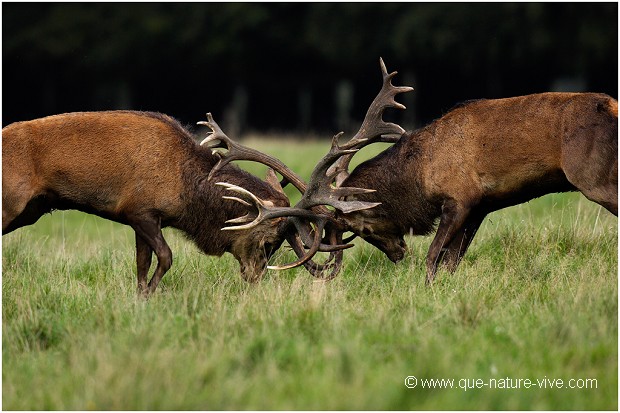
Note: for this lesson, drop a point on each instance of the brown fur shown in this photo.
(483, 156)
(137, 168)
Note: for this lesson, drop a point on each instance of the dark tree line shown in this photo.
(296, 66)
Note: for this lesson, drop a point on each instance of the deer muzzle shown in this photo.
(253, 270)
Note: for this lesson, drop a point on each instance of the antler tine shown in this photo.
(304, 258)
(265, 210)
(216, 134)
(238, 152)
(218, 139)
(340, 169)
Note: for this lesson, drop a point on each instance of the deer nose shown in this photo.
(395, 251)
(253, 271)
(396, 255)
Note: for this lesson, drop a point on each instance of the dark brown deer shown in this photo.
(480, 157)
(146, 171)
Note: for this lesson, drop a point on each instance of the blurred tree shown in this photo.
(266, 66)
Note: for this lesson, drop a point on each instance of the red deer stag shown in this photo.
(479, 157)
(145, 170)
(140, 169)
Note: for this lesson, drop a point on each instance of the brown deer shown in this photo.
(479, 157)
(145, 170)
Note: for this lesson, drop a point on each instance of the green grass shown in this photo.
(536, 297)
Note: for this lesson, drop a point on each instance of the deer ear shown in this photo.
(273, 181)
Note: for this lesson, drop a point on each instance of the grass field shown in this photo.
(536, 298)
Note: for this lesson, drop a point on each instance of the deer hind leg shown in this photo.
(590, 163)
(596, 181)
(606, 196)
(150, 238)
(462, 240)
(453, 217)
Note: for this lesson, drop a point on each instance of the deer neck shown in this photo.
(204, 212)
(396, 176)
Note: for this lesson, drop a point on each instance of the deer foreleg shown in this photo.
(150, 233)
(462, 240)
(144, 256)
(453, 217)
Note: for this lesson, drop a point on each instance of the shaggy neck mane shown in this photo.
(206, 211)
(397, 191)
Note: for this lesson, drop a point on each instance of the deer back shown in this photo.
(506, 150)
(119, 163)
(107, 161)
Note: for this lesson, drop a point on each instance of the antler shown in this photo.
(373, 126)
(336, 162)
(266, 210)
(333, 263)
(217, 139)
